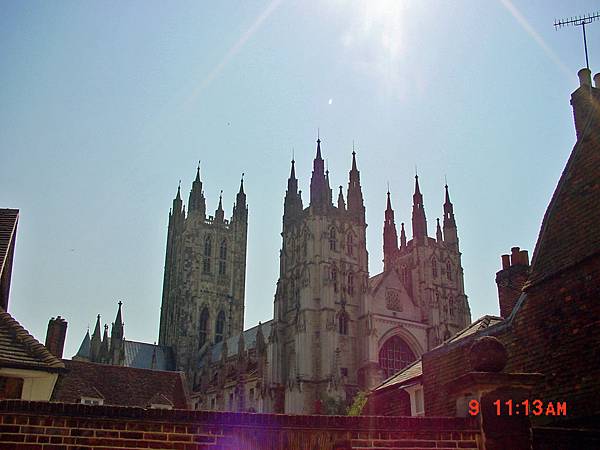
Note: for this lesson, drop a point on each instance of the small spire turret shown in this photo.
(197, 202)
(402, 236)
(356, 205)
(240, 210)
(419, 222)
(219, 213)
(318, 182)
(340, 203)
(438, 231)
(450, 232)
(390, 235)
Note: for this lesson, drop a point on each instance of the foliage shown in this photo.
(360, 399)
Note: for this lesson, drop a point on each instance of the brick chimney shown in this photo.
(55, 336)
(586, 103)
(510, 280)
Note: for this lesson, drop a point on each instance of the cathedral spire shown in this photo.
(240, 210)
(341, 204)
(117, 328)
(402, 236)
(197, 202)
(450, 233)
(356, 205)
(103, 356)
(419, 222)
(177, 203)
(438, 231)
(96, 341)
(219, 213)
(318, 185)
(390, 235)
(292, 205)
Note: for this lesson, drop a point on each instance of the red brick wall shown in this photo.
(556, 332)
(59, 426)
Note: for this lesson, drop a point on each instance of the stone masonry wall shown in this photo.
(58, 426)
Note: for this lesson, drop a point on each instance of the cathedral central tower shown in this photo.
(205, 276)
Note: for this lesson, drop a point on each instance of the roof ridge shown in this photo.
(22, 336)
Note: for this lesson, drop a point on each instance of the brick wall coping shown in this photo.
(239, 419)
(472, 380)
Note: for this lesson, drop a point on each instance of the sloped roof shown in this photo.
(405, 376)
(137, 354)
(413, 371)
(8, 226)
(570, 232)
(19, 349)
(118, 385)
(140, 354)
(8, 230)
(232, 342)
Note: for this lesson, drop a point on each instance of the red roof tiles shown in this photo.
(120, 386)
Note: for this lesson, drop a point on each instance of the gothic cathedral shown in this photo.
(335, 329)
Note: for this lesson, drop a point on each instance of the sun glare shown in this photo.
(373, 37)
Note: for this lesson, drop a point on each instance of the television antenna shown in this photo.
(582, 22)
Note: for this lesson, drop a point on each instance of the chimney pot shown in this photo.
(514, 256)
(585, 77)
(55, 336)
(505, 262)
(597, 80)
(524, 257)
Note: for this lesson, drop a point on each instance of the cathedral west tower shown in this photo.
(319, 294)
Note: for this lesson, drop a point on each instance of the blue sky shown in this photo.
(107, 105)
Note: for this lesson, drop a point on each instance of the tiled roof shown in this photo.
(480, 324)
(415, 370)
(120, 386)
(8, 230)
(232, 342)
(403, 377)
(8, 225)
(19, 349)
(570, 232)
(137, 354)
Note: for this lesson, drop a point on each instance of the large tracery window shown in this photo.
(203, 327)
(207, 254)
(222, 257)
(332, 240)
(220, 327)
(395, 355)
(349, 244)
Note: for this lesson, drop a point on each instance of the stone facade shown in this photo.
(335, 329)
(205, 276)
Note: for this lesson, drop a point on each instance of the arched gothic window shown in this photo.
(395, 355)
(349, 244)
(448, 270)
(220, 327)
(208, 246)
(203, 327)
(332, 239)
(404, 275)
(343, 323)
(334, 279)
(222, 257)
(350, 283)
(434, 268)
(207, 254)
(452, 306)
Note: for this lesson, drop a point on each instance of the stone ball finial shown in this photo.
(488, 354)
